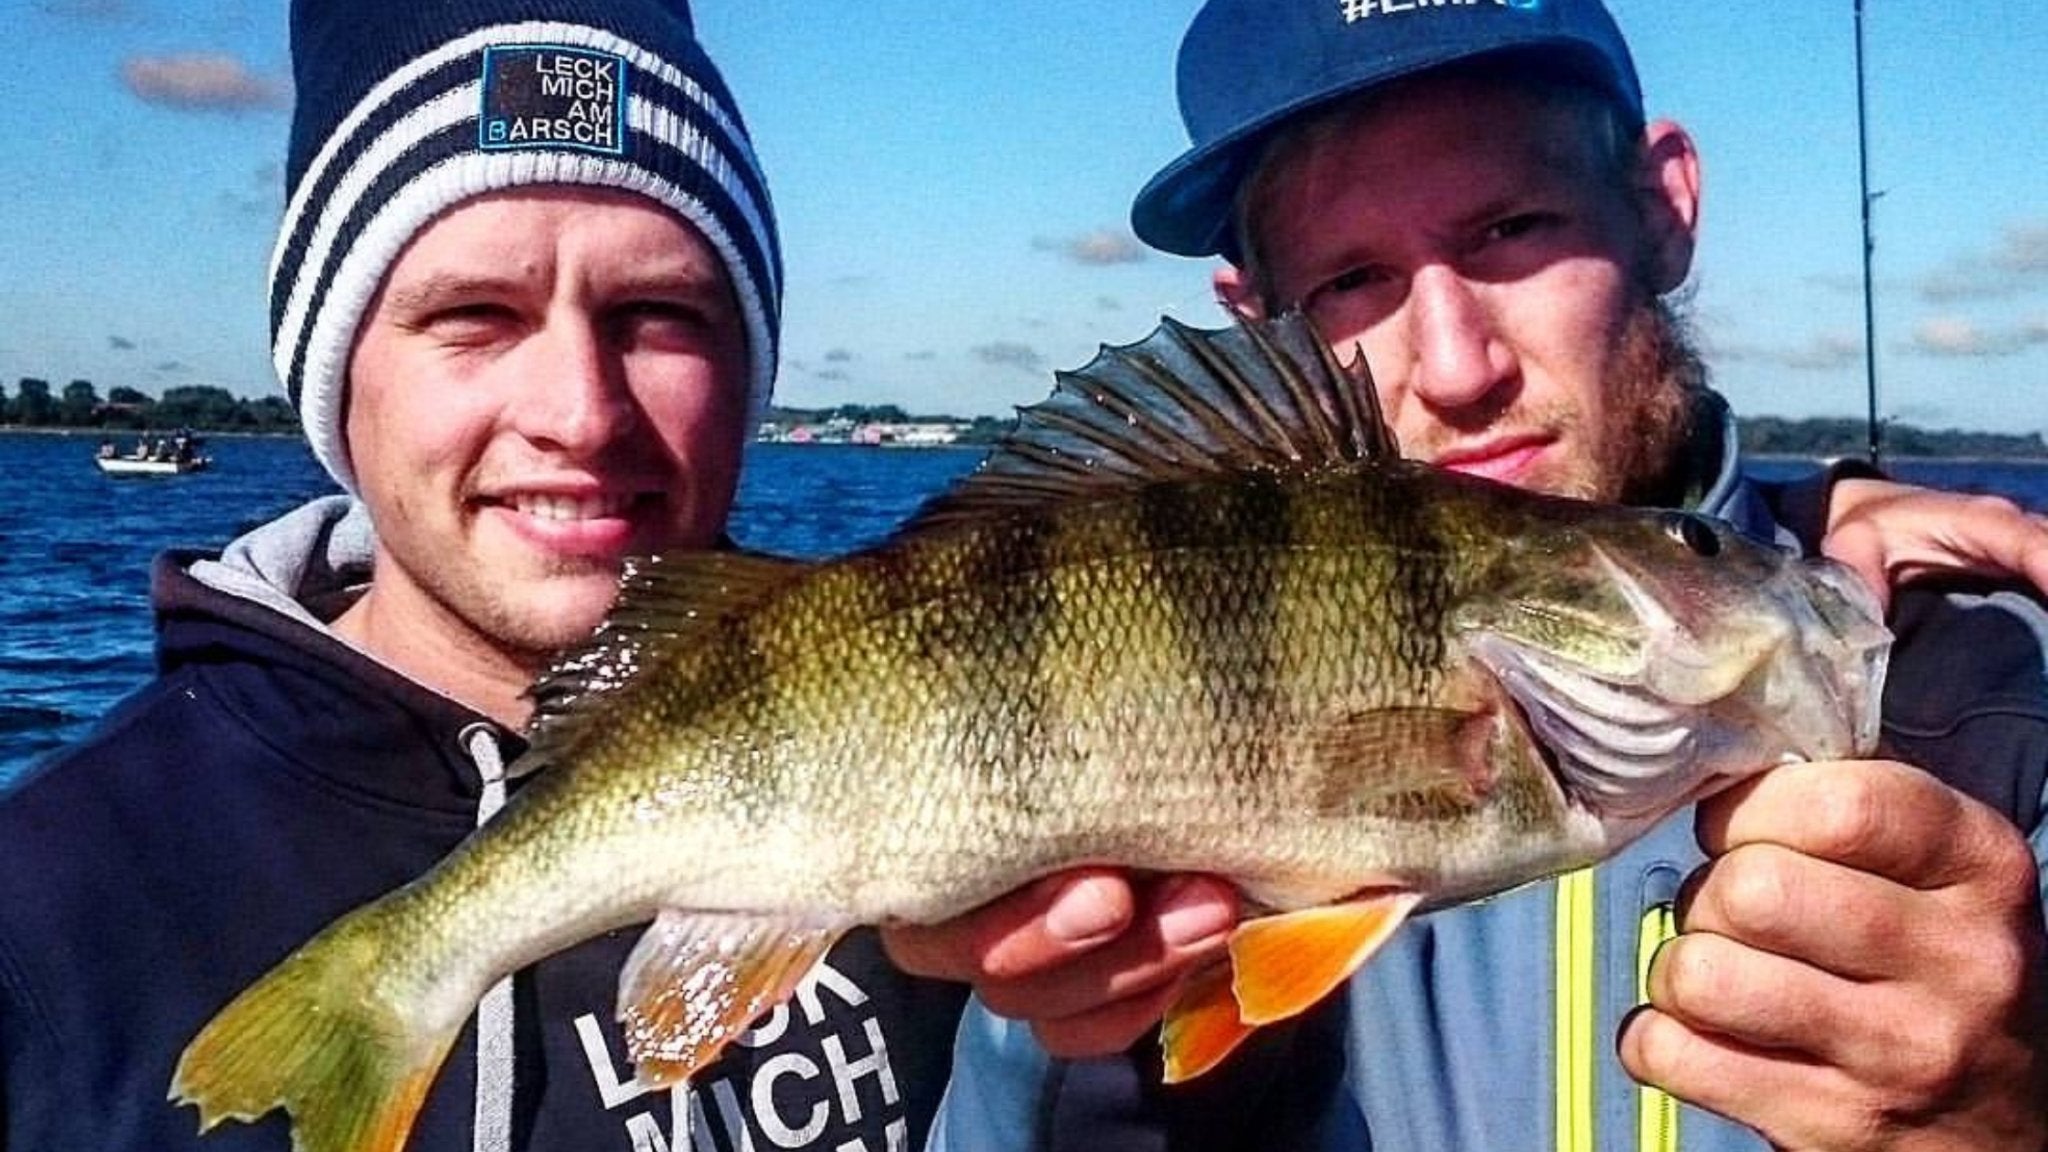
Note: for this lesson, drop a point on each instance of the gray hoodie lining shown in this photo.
(311, 554)
(494, 1057)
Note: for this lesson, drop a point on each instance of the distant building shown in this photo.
(841, 430)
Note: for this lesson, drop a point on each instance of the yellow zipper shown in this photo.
(1656, 1111)
(1575, 1012)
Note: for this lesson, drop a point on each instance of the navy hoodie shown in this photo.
(272, 778)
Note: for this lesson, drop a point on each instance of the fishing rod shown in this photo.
(1871, 421)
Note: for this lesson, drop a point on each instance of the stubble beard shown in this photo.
(515, 616)
(1655, 396)
(1659, 389)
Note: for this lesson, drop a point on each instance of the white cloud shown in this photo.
(200, 83)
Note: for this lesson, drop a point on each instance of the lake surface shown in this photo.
(75, 546)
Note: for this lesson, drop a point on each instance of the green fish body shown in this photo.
(1194, 615)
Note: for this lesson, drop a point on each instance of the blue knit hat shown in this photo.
(1249, 67)
(405, 108)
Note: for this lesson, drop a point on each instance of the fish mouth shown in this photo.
(1856, 619)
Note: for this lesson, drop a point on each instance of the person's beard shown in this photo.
(1652, 440)
(1648, 454)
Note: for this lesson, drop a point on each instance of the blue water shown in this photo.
(75, 546)
(75, 549)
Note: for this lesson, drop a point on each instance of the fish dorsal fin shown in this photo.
(662, 599)
(1182, 403)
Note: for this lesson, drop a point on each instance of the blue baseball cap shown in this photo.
(1248, 67)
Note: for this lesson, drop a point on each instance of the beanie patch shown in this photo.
(551, 95)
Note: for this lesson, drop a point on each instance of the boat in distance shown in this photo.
(163, 456)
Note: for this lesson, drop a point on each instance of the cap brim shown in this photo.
(1186, 207)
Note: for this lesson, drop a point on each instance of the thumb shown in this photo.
(1860, 545)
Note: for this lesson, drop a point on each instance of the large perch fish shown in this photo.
(1193, 615)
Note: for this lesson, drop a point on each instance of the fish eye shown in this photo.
(1693, 532)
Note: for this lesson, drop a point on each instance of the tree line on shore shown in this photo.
(1828, 436)
(34, 403)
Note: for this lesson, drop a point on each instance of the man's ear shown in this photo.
(1668, 199)
(1235, 292)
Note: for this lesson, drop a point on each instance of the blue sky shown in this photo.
(954, 181)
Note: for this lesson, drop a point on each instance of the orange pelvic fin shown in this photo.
(1283, 964)
(1202, 1026)
(696, 980)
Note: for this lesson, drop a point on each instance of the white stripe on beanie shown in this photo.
(538, 31)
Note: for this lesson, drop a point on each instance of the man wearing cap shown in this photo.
(525, 297)
(1835, 956)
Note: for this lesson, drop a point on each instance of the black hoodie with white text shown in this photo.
(270, 779)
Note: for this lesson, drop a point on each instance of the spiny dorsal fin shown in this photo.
(662, 599)
(1181, 403)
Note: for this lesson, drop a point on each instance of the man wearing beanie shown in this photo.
(525, 297)
(1841, 956)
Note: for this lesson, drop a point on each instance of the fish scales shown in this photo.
(1191, 616)
(905, 663)
(1092, 678)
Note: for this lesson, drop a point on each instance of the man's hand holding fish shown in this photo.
(1864, 936)
(1091, 957)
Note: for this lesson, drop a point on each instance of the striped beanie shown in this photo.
(407, 107)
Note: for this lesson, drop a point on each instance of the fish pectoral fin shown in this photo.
(1283, 964)
(1203, 1025)
(698, 979)
(1380, 757)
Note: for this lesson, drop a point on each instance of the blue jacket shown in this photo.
(1491, 1026)
(272, 778)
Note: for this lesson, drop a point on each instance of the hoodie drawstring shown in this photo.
(494, 1056)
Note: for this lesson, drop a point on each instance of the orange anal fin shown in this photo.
(1283, 964)
(1202, 1026)
(696, 981)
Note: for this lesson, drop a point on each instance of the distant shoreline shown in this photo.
(1795, 458)
(1766, 457)
(127, 433)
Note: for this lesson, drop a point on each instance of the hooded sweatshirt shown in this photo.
(270, 779)
(1491, 1026)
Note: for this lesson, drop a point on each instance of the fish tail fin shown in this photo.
(312, 1038)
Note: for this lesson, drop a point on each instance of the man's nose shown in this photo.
(1458, 355)
(574, 396)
